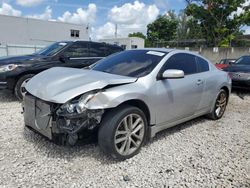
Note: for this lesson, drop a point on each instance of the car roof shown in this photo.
(159, 49)
(168, 50)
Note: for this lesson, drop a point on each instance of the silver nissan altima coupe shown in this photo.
(125, 98)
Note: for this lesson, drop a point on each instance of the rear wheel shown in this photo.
(20, 90)
(123, 132)
(220, 105)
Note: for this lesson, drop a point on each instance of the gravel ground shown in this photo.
(199, 153)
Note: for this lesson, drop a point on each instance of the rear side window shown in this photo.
(202, 64)
(182, 61)
(96, 49)
(77, 50)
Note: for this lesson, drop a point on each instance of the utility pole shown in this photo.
(87, 30)
(115, 31)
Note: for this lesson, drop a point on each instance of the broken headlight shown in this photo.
(76, 106)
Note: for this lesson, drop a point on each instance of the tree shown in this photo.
(137, 34)
(220, 20)
(163, 28)
(188, 27)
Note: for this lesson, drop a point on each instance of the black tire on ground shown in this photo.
(108, 128)
(17, 91)
(213, 115)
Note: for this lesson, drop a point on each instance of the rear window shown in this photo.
(110, 49)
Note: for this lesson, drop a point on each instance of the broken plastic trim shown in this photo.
(89, 120)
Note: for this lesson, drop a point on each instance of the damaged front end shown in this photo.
(63, 124)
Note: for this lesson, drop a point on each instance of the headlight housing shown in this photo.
(77, 106)
(7, 68)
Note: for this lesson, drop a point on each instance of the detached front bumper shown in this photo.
(41, 117)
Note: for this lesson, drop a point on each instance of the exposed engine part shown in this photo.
(89, 121)
(72, 139)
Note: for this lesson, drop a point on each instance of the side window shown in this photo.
(77, 50)
(182, 61)
(96, 49)
(202, 64)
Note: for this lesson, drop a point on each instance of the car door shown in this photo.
(77, 55)
(208, 84)
(178, 98)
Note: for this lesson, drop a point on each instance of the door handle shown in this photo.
(199, 82)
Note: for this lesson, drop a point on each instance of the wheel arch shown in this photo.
(14, 79)
(139, 104)
(227, 91)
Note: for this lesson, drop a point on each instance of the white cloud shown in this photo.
(29, 3)
(7, 9)
(105, 31)
(136, 13)
(47, 15)
(129, 18)
(81, 16)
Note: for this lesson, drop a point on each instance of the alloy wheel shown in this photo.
(129, 134)
(221, 104)
(22, 88)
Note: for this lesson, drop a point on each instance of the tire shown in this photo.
(113, 122)
(219, 106)
(19, 93)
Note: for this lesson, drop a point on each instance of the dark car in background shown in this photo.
(16, 71)
(225, 63)
(240, 72)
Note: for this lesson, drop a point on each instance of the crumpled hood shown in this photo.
(59, 85)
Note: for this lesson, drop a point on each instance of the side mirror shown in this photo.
(172, 74)
(63, 58)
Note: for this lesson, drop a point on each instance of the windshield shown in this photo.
(52, 49)
(133, 63)
(243, 61)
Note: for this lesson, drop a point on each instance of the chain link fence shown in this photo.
(12, 50)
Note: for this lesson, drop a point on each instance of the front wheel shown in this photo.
(20, 90)
(123, 132)
(220, 105)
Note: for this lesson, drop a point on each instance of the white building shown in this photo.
(29, 31)
(127, 43)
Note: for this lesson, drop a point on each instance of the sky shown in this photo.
(100, 15)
